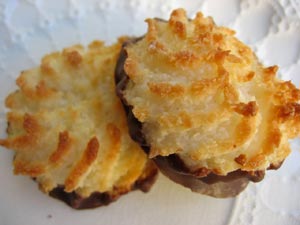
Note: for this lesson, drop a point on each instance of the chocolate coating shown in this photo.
(213, 185)
(97, 199)
(121, 80)
(172, 166)
(77, 202)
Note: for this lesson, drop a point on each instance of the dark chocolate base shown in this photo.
(121, 80)
(77, 202)
(172, 166)
(97, 199)
(213, 185)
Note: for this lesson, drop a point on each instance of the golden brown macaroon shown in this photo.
(203, 106)
(69, 131)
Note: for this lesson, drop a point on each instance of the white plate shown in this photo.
(29, 29)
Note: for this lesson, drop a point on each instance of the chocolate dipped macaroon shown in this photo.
(69, 132)
(203, 107)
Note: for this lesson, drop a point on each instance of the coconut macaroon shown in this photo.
(203, 106)
(69, 131)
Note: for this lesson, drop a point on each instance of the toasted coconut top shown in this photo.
(202, 94)
(68, 128)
